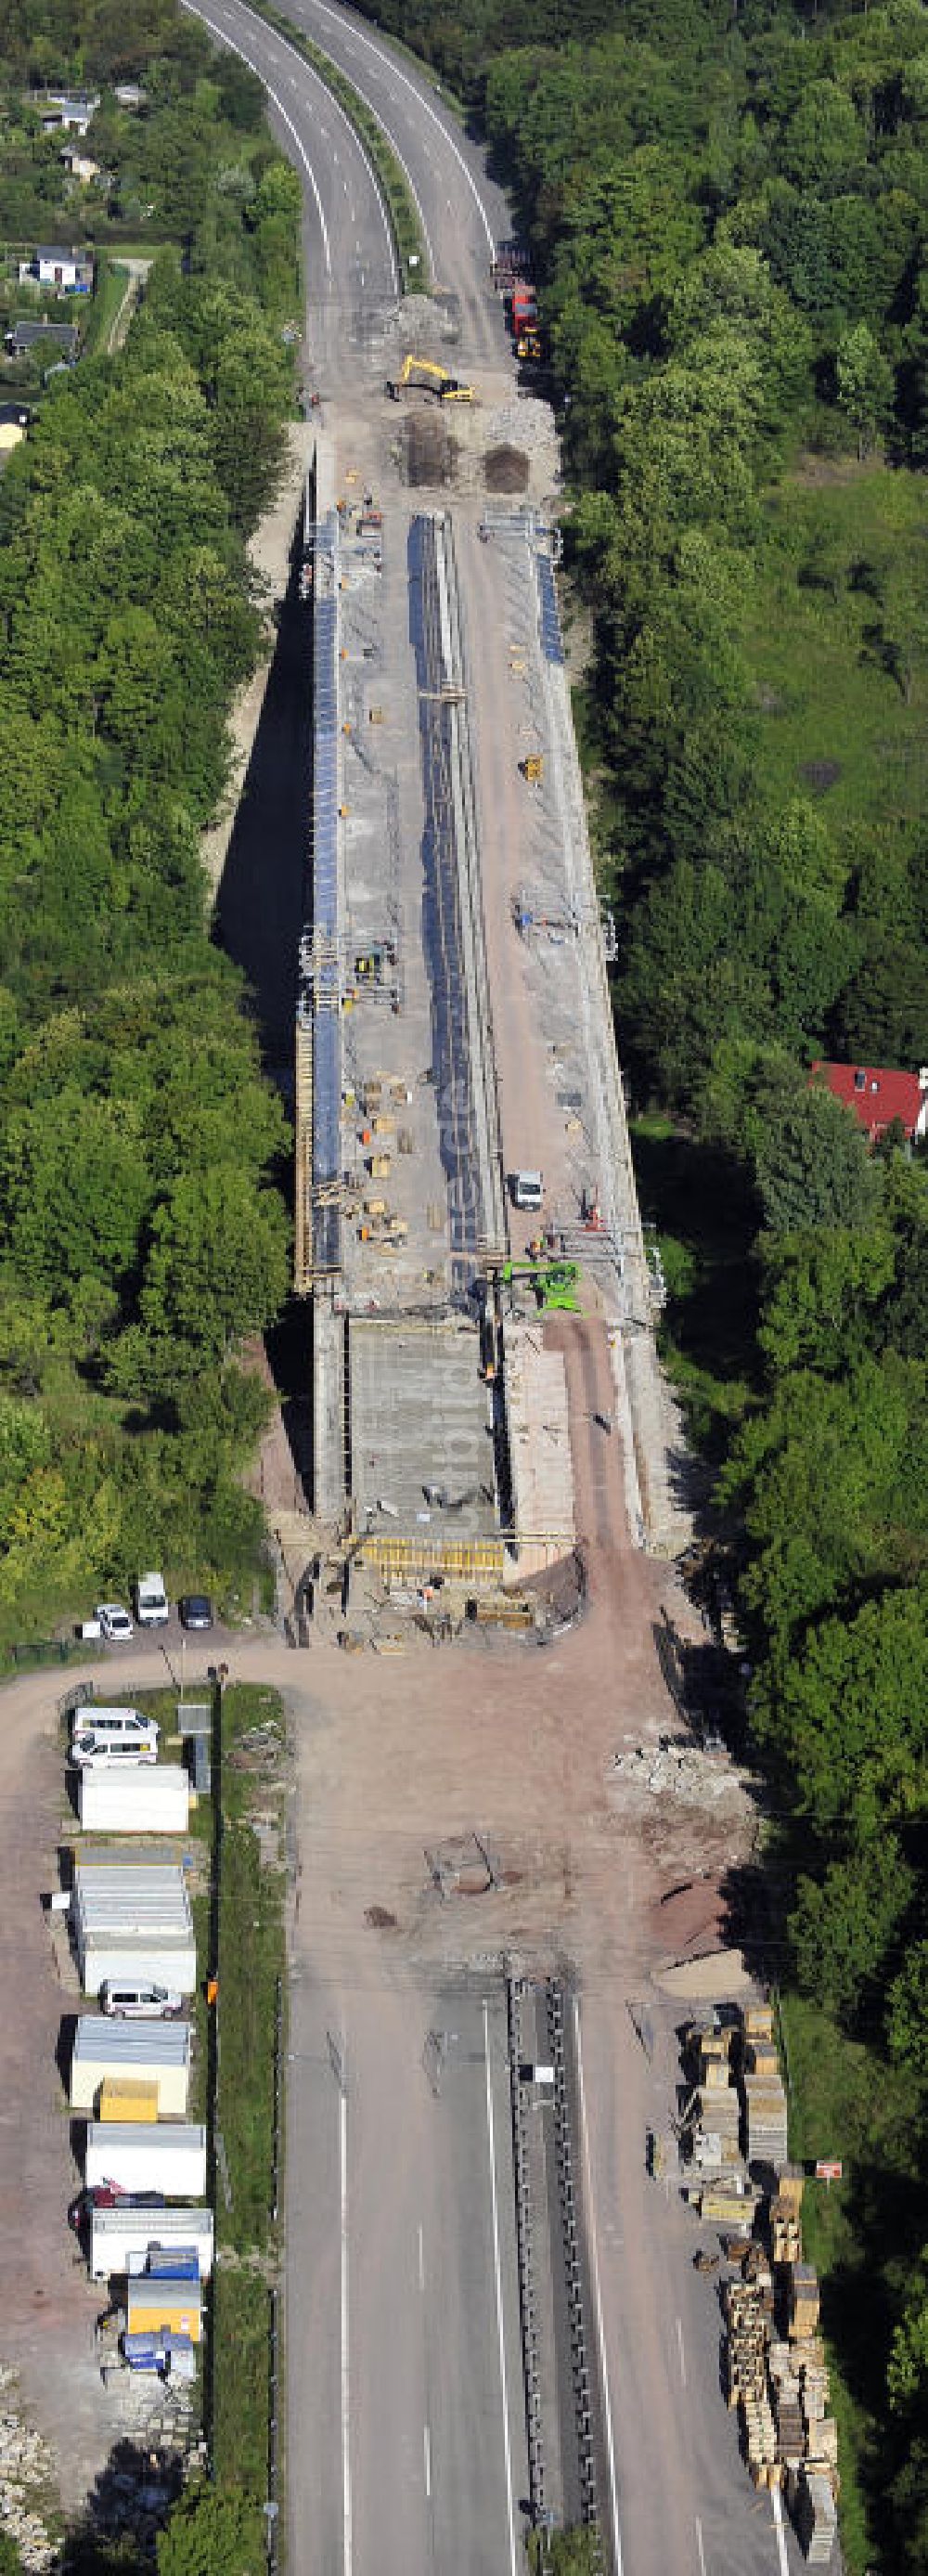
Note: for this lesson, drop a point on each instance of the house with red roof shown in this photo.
(878, 1097)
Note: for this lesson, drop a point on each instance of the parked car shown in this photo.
(107, 2195)
(151, 1601)
(143, 2002)
(196, 1610)
(115, 1623)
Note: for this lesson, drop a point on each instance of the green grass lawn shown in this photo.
(112, 281)
(846, 2102)
(241, 2303)
(836, 610)
(251, 1959)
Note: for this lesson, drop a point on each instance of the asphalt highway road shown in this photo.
(407, 2451)
(462, 210)
(350, 262)
(349, 257)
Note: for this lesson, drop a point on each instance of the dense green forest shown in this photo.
(142, 1232)
(728, 210)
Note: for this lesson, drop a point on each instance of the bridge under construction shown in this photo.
(440, 1440)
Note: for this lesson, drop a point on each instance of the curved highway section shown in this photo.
(462, 210)
(350, 260)
(349, 257)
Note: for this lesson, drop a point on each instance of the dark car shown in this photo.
(107, 2195)
(196, 1610)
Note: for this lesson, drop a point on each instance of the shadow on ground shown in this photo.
(259, 906)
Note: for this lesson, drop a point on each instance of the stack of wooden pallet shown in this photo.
(787, 2406)
(757, 2022)
(786, 2216)
(803, 2301)
(717, 2118)
(812, 2505)
(764, 2119)
(785, 2233)
(748, 2324)
(721, 2205)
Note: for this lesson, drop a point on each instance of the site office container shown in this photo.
(153, 2304)
(126, 2241)
(135, 1960)
(169, 2158)
(143, 2052)
(133, 1921)
(135, 1799)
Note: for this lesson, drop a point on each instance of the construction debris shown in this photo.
(25, 2471)
(676, 1770)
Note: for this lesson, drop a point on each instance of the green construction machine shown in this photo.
(554, 1282)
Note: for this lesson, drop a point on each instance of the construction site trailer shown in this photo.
(136, 1798)
(133, 1923)
(123, 2240)
(150, 2052)
(155, 2304)
(137, 2158)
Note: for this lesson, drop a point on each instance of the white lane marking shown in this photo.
(427, 2455)
(394, 147)
(600, 2329)
(422, 107)
(680, 2351)
(421, 2260)
(514, 2564)
(353, 135)
(225, 39)
(781, 2536)
(702, 2554)
(346, 2386)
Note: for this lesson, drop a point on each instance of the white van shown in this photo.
(151, 1601)
(141, 2002)
(113, 1734)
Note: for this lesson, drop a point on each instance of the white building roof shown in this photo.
(130, 1901)
(100, 2040)
(188, 2226)
(166, 2138)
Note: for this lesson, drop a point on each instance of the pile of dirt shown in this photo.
(430, 453)
(506, 469)
(692, 1917)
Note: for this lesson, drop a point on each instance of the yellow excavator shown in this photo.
(430, 379)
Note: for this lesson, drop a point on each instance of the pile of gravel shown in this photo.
(25, 2464)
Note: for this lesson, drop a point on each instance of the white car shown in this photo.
(115, 1623)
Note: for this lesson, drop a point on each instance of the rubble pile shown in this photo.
(25, 2464)
(679, 1770)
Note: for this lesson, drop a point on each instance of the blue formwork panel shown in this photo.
(326, 924)
(551, 640)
